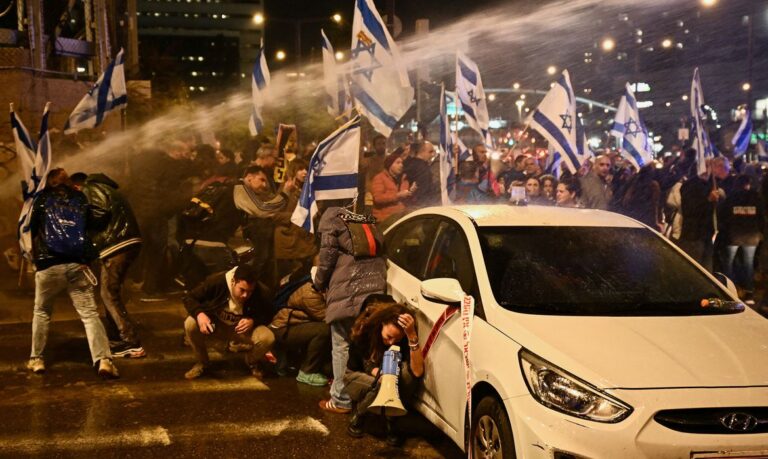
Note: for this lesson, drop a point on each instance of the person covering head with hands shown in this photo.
(383, 323)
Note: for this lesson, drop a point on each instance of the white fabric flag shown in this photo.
(108, 94)
(259, 85)
(471, 96)
(337, 94)
(380, 84)
(555, 118)
(701, 142)
(35, 161)
(629, 127)
(333, 173)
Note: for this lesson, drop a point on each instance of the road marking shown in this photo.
(260, 429)
(142, 437)
(158, 436)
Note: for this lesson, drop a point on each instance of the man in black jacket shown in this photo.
(225, 307)
(115, 234)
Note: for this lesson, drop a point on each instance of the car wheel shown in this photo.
(491, 435)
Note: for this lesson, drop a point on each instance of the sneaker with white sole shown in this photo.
(128, 350)
(36, 365)
(107, 369)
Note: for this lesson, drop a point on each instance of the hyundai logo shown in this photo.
(739, 422)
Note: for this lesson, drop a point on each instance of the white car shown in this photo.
(593, 337)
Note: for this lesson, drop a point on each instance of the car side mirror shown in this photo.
(729, 285)
(443, 290)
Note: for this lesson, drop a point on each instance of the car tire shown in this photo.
(491, 433)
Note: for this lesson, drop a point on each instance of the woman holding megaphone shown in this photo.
(385, 364)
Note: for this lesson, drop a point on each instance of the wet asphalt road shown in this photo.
(152, 411)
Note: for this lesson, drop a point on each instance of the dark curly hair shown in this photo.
(379, 310)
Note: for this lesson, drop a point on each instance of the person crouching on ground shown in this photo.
(225, 307)
(382, 324)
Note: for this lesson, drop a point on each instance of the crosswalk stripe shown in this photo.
(142, 437)
(159, 436)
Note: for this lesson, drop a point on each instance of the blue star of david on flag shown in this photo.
(567, 122)
(632, 128)
(367, 72)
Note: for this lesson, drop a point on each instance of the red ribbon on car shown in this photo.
(447, 314)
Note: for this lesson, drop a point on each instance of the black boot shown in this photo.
(355, 429)
(394, 438)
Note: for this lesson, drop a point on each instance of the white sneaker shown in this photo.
(107, 369)
(36, 365)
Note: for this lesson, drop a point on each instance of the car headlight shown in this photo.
(555, 388)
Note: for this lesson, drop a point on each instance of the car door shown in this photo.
(444, 372)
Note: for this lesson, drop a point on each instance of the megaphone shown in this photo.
(387, 402)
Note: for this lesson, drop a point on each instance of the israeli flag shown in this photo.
(555, 119)
(333, 171)
(447, 171)
(465, 154)
(701, 142)
(337, 95)
(259, 83)
(743, 135)
(109, 93)
(629, 127)
(35, 161)
(380, 84)
(554, 160)
(471, 96)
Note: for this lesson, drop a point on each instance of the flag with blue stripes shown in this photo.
(629, 127)
(554, 160)
(259, 84)
(108, 94)
(471, 97)
(701, 142)
(555, 118)
(336, 92)
(743, 135)
(447, 171)
(333, 171)
(379, 79)
(35, 161)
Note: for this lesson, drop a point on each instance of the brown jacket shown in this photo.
(304, 305)
(293, 242)
(384, 190)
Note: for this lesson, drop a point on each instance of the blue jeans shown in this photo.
(340, 330)
(48, 284)
(747, 265)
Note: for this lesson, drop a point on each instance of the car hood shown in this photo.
(649, 352)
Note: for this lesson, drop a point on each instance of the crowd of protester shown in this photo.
(215, 227)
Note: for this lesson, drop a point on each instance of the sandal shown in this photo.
(327, 405)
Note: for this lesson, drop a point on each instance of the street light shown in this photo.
(339, 55)
(685, 96)
(258, 18)
(666, 43)
(280, 55)
(551, 70)
(746, 87)
(491, 97)
(708, 3)
(608, 44)
(516, 85)
(520, 104)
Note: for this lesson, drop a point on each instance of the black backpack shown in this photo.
(205, 207)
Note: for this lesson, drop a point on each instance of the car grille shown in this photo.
(738, 420)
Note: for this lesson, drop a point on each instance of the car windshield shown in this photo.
(595, 271)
